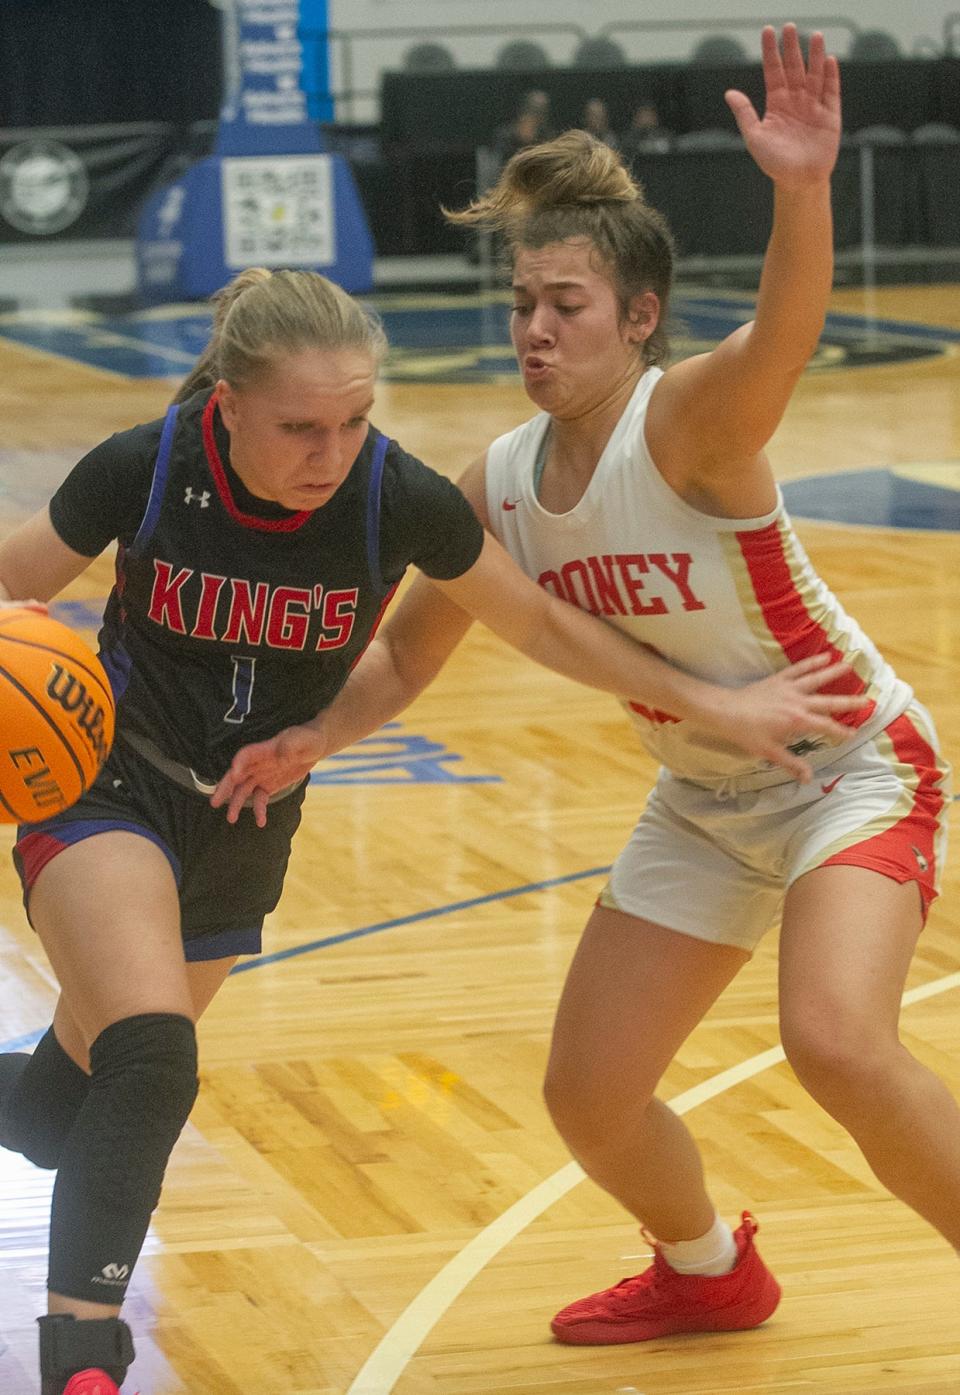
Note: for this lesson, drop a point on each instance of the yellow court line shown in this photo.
(393, 1353)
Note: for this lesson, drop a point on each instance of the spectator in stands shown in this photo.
(596, 120)
(540, 104)
(532, 124)
(645, 135)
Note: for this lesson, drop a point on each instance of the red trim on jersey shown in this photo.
(788, 620)
(376, 624)
(653, 714)
(907, 850)
(34, 851)
(248, 520)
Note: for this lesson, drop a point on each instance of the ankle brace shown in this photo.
(68, 1345)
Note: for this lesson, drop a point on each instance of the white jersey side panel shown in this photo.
(730, 600)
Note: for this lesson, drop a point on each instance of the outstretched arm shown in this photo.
(711, 415)
(432, 619)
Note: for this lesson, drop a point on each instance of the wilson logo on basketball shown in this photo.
(56, 715)
(66, 689)
(31, 765)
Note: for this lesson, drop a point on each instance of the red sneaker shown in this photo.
(660, 1301)
(91, 1383)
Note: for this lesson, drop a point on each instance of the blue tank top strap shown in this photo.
(373, 509)
(158, 484)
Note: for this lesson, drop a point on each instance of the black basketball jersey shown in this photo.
(232, 618)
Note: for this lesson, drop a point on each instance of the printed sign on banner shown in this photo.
(278, 211)
(263, 62)
(269, 195)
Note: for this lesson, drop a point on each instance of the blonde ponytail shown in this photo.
(262, 316)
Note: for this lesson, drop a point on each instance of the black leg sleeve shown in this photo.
(40, 1098)
(144, 1082)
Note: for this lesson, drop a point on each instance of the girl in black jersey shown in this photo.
(261, 528)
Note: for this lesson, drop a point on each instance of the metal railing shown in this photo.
(869, 254)
(344, 42)
(345, 39)
(951, 34)
(696, 27)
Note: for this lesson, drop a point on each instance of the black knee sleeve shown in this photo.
(12, 1066)
(40, 1098)
(143, 1085)
(68, 1345)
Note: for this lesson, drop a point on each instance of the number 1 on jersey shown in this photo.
(243, 677)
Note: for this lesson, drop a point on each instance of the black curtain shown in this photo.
(103, 62)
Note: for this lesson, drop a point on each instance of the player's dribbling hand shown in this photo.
(261, 769)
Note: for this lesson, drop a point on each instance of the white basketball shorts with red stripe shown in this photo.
(715, 862)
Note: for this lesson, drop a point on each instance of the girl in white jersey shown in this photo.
(646, 496)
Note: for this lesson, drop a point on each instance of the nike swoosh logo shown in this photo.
(509, 506)
(832, 785)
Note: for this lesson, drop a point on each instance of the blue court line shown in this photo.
(720, 308)
(23, 1043)
(340, 939)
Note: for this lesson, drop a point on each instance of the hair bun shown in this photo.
(573, 169)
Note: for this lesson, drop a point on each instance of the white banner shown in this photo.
(278, 211)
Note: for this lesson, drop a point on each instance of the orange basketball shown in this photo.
(56, 716)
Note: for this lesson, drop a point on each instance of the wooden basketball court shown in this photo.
(370, 1197)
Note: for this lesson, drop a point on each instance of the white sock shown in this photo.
(712, 1254)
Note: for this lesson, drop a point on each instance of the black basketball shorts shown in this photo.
(229, 875)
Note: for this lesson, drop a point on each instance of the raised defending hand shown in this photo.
(797, 140)
(261, 769)
(763, 717)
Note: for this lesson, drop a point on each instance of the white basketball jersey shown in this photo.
(730, 600)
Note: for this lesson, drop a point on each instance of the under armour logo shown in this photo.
(203, 499)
